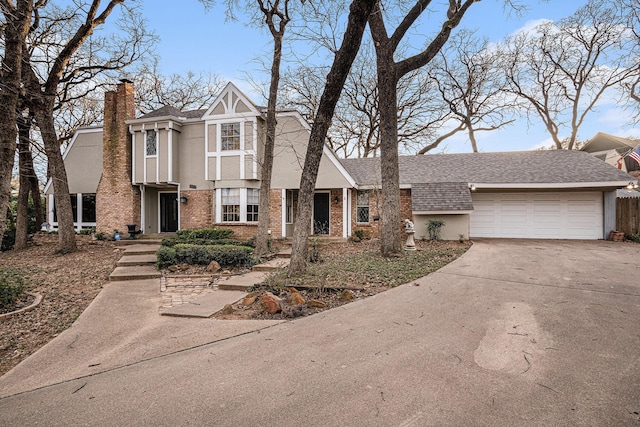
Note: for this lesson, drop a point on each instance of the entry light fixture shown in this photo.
(336, 200)
(472, 187)
(632, 185)
(183, 199)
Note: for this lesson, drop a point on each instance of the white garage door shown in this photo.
(538, 215)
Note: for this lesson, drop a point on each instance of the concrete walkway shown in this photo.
(513, 333)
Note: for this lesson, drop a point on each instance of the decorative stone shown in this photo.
(295, 298)
(213, 267)
(270, 303)
(314, 303)
(249, 299)
(184, 266)
(226, 272)
(173, 268)
(290, 312)
(228, 309)
(346, 295)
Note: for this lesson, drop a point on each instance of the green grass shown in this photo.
(369, 268)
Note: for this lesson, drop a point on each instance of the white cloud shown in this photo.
(530, 26)
(546, 143)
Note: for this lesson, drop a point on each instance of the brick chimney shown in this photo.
(117, 201)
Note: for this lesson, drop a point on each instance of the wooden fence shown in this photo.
(628, 215)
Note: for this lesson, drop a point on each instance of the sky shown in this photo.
(194, 39)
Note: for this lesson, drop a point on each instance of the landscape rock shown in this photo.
(184, 266)
(292, 312)
(270, 303)
(346, 295)
(315, 303)
(249, 299)
(228, 309)
(213, 267)
(294, 297)
(173, 268)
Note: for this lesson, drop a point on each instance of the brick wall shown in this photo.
(117, 201)
(275, 213)
(372, 229)
(335, 213)
(198, 212)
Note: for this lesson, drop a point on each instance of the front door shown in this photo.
(168, 212)
(321, 213)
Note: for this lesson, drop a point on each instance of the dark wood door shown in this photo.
(321, 213)
(168, 212)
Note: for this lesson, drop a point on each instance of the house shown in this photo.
(171, 170)
(611, 149)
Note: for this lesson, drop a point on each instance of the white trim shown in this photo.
(349, 214)
(133, 155)
(68, 149)
(218, 198)
(225, 98)
(206, 151)
(50, 209)
(570, 185)
(344, 213)
(283, 212)
(143, 210)
(464, 212)
(170, 161)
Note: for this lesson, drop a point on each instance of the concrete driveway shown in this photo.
(512, 333)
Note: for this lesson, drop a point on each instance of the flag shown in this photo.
(635, 154)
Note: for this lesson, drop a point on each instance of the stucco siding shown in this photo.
(230, 167)
(191, 159)
(81, 160)
(163, 155)
(455, 225)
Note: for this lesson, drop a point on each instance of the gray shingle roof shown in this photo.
(168, 110)
(441, 197)
(521, 167)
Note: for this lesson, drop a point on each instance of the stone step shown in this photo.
(272, 265)
(206, 305)
(137, 259)
(285, 253)
(141, 249)
(134, 273)
(240, 282)
(129, 242)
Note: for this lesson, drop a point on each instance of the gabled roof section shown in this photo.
(518, 169)
(231, 103)
(604, 141)
(441, 197)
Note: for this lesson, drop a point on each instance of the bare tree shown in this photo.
(389, 72)
(359, 12)
(472, 88)
(47, 73)
(562, 70)
(355, 127)
(17, 19)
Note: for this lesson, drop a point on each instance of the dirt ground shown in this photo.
(68, 283)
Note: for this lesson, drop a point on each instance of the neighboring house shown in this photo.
(611, 149)
(171, 170)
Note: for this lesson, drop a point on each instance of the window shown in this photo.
(88, 208)
(289, 195)
(253, 203)
(362, 206)
(230, 205)
(151, 143)
(230, 136)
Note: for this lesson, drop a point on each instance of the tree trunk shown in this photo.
(16, 26)
(358, 14)
(262, 246)
(22, 212)
(62, 200)
(390, 244)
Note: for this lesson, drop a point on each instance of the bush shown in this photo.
(205, 233)
(11, 287)
(172, 241)
(633, 237)
(226, 255)
(433, 227)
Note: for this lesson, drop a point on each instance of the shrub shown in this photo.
(359, 234)
(433, 227)
(633, 237)
(205, 233)
(225, 255)
(11, 287)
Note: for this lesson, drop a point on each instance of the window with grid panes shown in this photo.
(362, 206)
(230, 204)
(151, 143)
(230, 136)
(253, 203)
